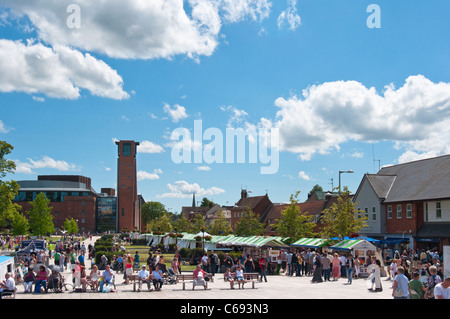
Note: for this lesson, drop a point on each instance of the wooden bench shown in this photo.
(248, 277)
(10, 294)
(190, 277)
(135, 279)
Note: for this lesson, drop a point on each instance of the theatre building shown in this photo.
(72, 196)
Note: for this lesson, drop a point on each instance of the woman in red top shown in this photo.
(128, 268)
(41, 278)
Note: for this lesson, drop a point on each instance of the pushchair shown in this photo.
(171, 277)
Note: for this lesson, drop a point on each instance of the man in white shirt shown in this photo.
(144, 275)
(442, 290)
(7, 286)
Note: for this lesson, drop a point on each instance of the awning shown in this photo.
(353, 244)
(434, 230)
(310, 242)
(393, 241)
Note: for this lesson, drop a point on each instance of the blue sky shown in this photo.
(341, 94)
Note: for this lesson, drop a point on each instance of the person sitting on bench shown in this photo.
(199, 277)
(157, 278)
(7, 286)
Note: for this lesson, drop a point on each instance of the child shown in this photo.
(240, 277)
(229, 277)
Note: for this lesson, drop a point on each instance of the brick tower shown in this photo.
(128, 212)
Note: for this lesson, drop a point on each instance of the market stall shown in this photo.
(315, 243)
(360, 249)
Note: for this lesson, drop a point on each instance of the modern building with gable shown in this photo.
(409, 203)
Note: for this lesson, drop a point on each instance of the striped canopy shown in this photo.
(353, 244)
(310, 242)
(252, 241)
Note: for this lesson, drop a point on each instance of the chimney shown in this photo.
(244, 194)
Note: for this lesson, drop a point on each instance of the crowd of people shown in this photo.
(415, 274)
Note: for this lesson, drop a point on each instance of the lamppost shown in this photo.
(343, 172)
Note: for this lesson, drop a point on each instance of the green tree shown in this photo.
(206, 203)
(342, 218)
(161, 224)
(152, 211)
(293, 223)
(8, 189)
(249, 224)
(19, 225)
(40, 216)
(316, 188)
(71, 226)
(182, 225)
(221, 226)
(198, 223)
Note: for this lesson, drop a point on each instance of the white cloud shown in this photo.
(3, 128)
(45, 162)
(304, 176)
(57, 72)
(237, 10)
(182, 189)
(139, 29)
(149, 147)
(237, 116)
(290, 16)
(176, 113)
(143, 175)
(415, 116)
(38, 98)
(203, 168)
(357, 154)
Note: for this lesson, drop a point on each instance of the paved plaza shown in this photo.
(277, 287)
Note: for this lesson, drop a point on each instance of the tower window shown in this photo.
(126, 149)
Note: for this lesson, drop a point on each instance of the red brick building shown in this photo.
(128, 204)
(70, 196)
(413, 203)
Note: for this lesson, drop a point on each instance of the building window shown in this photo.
(426, 212)
(83, 212)
(366, 213)
(438, 210)
(123, 211)
(399, 211)
(389, 212)
(83, 220)
(408, 211)
(83, 203)
(126, 149)
(374, 214)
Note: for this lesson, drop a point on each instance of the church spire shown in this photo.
(193, 199)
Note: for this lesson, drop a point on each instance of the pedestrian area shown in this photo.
(277, 287)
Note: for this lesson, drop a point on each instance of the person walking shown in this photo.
(416, 288)
(263, 267)
(400, 289)
(350, 266)
(326, 266)
(317, 274)
(374, 279)
(336, 263)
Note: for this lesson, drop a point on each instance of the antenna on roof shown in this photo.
(375, 160)
(332, 185)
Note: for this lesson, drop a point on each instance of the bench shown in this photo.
(248, 277)
(135, 279)
(10, 294)
(190, 277)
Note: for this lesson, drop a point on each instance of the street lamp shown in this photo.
(343, 172)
